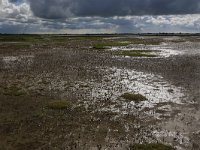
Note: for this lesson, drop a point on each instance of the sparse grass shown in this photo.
(110, 44)
(58, 39)
(144, 51)
(133, 97)
(13, 91)
(100, 46)
(20, 38)
(152, 146)
(152, 43)
(21, 45)
(15, 45)
(145, 41)
(136, 53)
(89, 38)
(178, 41)
(59, 105)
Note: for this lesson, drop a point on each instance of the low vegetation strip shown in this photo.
(109, 44)
(136, 53)
(152, 146)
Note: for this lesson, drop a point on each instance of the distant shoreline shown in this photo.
(115, 34)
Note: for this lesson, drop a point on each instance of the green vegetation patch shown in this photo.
(133, 97)
(110, 44)
(59, 105)
(136, 53)
(152, 146)
(15, 45)
(89, 38)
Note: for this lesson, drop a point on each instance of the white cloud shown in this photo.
(11, 11)
(18, 18)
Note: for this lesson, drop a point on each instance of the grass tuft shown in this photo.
(156, 146)
(59, 105)
(133, 97)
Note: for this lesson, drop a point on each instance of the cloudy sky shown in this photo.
(99, 16)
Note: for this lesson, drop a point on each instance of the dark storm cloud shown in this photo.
(16, 1)
(95, 16)
(13, 1)
(54, 9)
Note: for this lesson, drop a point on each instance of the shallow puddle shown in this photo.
(163, 50)
(176, 137)
(12, 61)
(160, 94)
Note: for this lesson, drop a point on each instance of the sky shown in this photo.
(99, 16)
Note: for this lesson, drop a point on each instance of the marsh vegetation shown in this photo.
(136, 53)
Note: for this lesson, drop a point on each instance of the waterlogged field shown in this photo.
(99, 92)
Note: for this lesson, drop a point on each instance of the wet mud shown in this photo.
(85, 86)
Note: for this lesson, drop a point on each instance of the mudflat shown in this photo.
(99, 92)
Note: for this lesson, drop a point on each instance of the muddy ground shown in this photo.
(90, 75)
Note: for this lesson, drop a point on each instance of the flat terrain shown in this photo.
(99, 92)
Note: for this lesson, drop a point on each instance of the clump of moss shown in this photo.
(59, 105)
(99, 46)
(136, 53)
(152, 146)
(134, 97)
